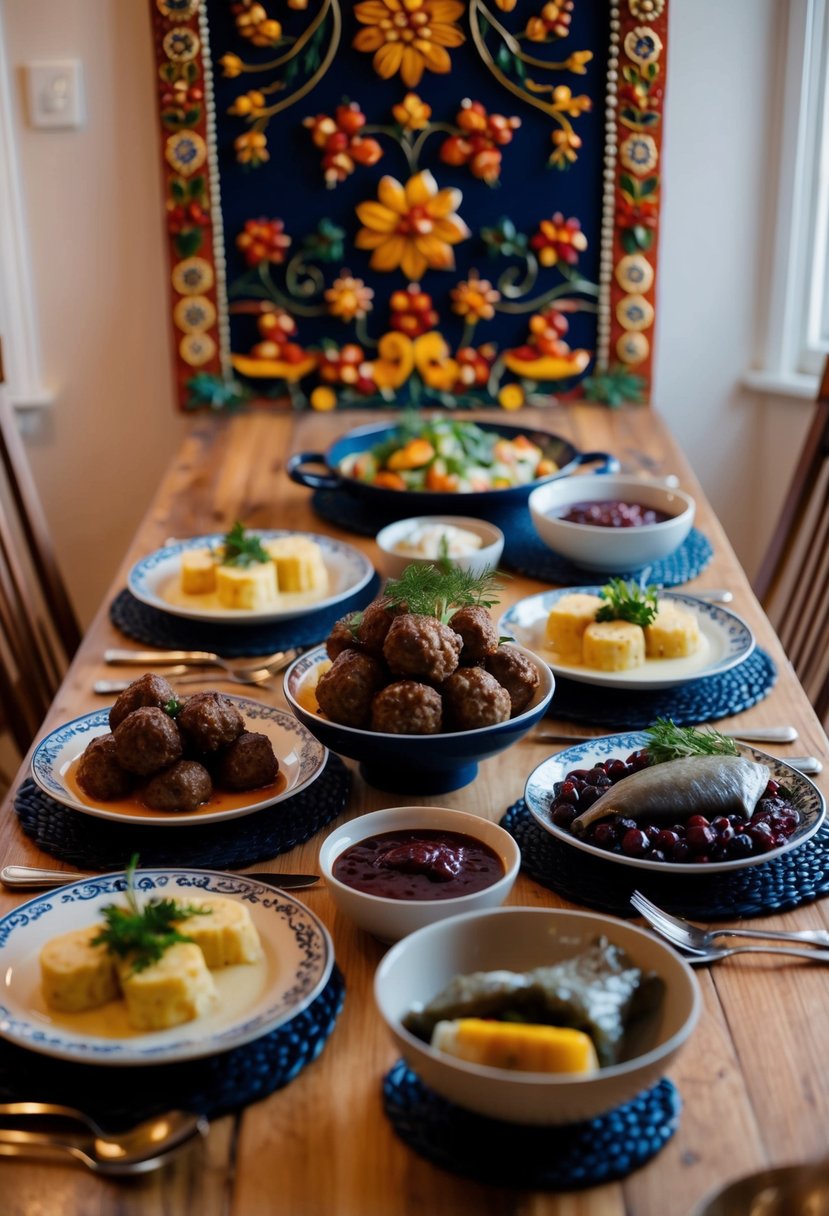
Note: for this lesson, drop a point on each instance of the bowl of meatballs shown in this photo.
(417, 699)
(153, 757)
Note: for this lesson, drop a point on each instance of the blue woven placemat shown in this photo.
(561, 1158)
(776, 885)
(697, 701)
(152, 627)
(104, 844)
(212, 1086)
(525, 552)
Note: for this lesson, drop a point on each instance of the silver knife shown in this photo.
(21, 878)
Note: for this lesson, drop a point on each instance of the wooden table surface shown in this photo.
(753, 1078)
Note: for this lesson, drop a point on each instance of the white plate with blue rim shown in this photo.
(301, 760)
(725, 641)
(540, 795)
(254, 999)
(156, 581)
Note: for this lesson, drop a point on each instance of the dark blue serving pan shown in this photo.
(399, 504)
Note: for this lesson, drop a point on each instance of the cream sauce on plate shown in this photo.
(285, 601)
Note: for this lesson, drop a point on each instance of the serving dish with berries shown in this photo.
(674, 799)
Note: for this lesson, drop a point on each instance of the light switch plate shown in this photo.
(55, 94)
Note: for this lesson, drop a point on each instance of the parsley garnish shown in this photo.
(667, 741)
(143, 934)
(242, 550)
(439, 590)
(627, 602)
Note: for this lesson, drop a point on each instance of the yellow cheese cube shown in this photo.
(176, 989)
(613, 646)
(299, 565)
(567, 620)
(673, 634)
(226, 935)
(75, 975)
(246, 587)
(517, 1046)
(198, 572)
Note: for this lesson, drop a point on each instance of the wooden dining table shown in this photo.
(754, 1076)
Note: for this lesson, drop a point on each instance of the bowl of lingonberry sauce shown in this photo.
(611, 523)
(788, 812)
(396, 870)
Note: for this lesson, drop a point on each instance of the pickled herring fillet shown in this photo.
(692, 785)
(597, 992)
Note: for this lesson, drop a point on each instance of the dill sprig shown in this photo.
(243, 550)
(143, 934)
(627, 602)
(667, 741)
(439, 590)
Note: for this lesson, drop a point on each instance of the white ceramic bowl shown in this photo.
(518, 939)
(611, 550)
(393, 563)
(391, 919)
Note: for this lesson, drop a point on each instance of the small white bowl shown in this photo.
(391, 919)
(476, 562)
(611, 550)
(418, 968)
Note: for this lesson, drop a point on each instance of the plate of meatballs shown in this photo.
(153, 758)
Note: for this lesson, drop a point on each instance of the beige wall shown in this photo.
(95, 229)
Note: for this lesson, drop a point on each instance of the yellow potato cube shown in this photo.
(520, 1047)
(673, 634)
(198, 572)
(226, 935)
(176, 989)
(566, 622)
(246, 587)
(299, 564)
(613, 646)
(75, 975)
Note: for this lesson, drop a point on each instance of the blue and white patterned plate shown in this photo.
(539, 796)
(726, 641)
(298, 960)
(155, 581)
(301, 760)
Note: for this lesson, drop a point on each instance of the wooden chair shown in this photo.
(793, 580)
(39, 631)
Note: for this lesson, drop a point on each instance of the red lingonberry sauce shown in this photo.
(419, 864)
(613, 513)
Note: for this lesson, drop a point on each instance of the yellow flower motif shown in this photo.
(409, 36)
(412, 226)
(577, 63)
(348, 298)
(565, 147)
(566, 103)
(475, 299)
(506, 6)
(299, 5)
(511, 397)
(412, 113)
(252, 148)
(186, 152)
(252, 103)
(231, 65)
(323, 398)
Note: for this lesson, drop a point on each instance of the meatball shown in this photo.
(182, 787)
(407, 708)
(473, 698)
(345, 692)
(478, 631)
(147, 690)
(99, 773)
(374, 626)
(247, 763)
(209, 721)
(516, 673)
(147, 741)
(343, 636)
(422, 648)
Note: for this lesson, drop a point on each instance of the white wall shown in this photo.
(95, 220)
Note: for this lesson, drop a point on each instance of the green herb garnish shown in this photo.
(667, 741)
(439, 590)
(172, 708)
(242, 550)
(143, 934)
(627, 602)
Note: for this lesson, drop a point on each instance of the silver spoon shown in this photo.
(43, 1129)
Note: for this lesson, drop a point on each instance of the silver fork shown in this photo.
(195, 658)
(260, 674)
(691, 937)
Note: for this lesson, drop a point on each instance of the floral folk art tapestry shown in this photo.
(411, 202)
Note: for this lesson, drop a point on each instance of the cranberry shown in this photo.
(568, 792)
(697, 821)
(635, 843)
(680, 851)
(588, 796)
(762, 836)
(605, 835)
(627, 825)
(699, 837)
(563, 814)
(773, 788)
(666, 839)
(616, 769)
(741, 846)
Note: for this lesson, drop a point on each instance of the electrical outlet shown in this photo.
(55, 94)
